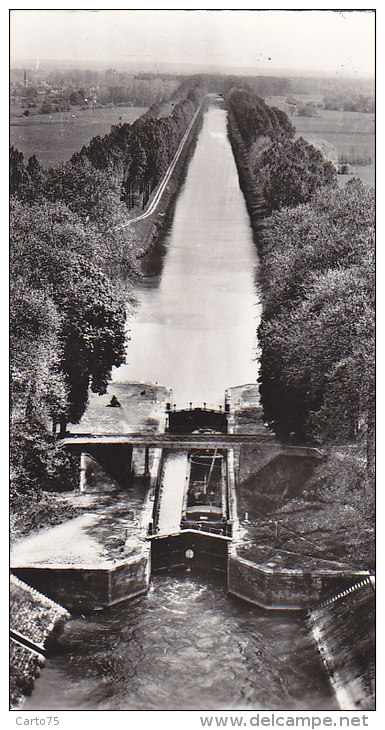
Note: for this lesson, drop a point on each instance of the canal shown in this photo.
(195, 328)
(187, 644)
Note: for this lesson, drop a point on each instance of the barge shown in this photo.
(192, 524)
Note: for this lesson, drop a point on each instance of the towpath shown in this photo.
(155, 201)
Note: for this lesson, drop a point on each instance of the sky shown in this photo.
(333, 42)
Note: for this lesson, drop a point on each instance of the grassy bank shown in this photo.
(315, 508)
(42, 509)
(322, 507)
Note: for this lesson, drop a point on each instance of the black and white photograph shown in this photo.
(192, 367)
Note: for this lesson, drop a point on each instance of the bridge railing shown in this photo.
(223, 528)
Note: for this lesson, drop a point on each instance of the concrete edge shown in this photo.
(295, 571)
(263, 605)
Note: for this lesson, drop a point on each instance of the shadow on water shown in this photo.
(198, 292)
(185, 645)
(152, 264)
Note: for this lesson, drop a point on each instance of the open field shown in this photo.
(53, 138)
(351, 134)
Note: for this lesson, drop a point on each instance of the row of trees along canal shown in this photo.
(71, 279)
(316, 244)
(71, 272)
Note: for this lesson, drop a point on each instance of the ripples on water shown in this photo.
(185, 645)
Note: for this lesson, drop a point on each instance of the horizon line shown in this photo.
(188, 68)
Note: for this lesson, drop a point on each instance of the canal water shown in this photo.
(195, 329)
(187, 644)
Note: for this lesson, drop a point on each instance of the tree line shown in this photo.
(71, 278)
(124, 165)
(286, 171)
(316, 246)
(47, 93)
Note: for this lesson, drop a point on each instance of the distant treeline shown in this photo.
(71, 273)
(60, 88)
(58, 91)
(314, 86)
(317, 279)
(350, 103)
(359, 91)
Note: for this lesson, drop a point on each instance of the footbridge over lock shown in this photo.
(192, 521)
(188, 519)
(189, 467)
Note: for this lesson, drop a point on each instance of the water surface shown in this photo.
(195, 329)
(186, 645)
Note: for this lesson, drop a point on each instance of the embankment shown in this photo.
(344, 630)
(250, 187)
(319, 516)
(35, 623)
(146, 232)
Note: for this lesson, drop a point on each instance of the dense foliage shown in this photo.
(67, 331)
(317, 278)
(71, 268)
(142, 151)
(349, 102)
(317, 331)
(291, 171)
(287, 172)
(255, 119)
(47, 261)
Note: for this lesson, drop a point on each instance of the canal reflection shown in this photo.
(195, 328)
(187, 644)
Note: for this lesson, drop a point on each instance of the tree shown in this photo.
(87, 191)
(38, 388)
(46, 107)
(335, 229)
(291, 172)
(17, 171)
(34, 169)
(312, 362)
(307, 110)
(254, 118)
(90, 334)
(317, 328)
(136, 171)
(26, 182)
